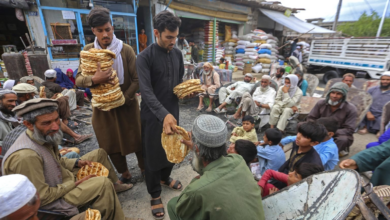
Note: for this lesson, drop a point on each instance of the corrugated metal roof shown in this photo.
(294, 23)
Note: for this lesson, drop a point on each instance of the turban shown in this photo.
(15, 192)
(210, 131)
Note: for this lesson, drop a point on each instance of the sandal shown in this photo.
(72, 124)
(83, 138)
(159, 208)
(199, 108)
(124, 180)
(173, 184)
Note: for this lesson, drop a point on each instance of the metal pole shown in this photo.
(337, 15)
(214, 37)
(378, 34)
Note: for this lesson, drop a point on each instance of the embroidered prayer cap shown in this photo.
(23, 88)
(338, 87)
(34, 104)
(50, 73)
(210, 131)
(15, 192)
(267, 77)
(249, 75)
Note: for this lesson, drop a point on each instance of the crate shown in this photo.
(61, 30)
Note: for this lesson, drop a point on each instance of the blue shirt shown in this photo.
(327, 150)
(270, 157)
(304, 87)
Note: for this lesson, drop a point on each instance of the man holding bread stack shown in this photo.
(160, 68)
(118, 130)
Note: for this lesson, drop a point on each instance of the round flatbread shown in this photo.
(96, 169)
(186, 84)
(93, 214)
(174, 149)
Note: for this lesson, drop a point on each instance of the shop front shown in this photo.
(65, 25)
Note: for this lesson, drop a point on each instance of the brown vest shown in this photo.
(51, 171)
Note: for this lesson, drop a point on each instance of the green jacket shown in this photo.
(226, 190)
(376, 159)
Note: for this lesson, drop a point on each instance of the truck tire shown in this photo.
(331, 74)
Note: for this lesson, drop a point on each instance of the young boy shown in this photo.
(309, 135)
(246, 149)
(301, 171)
(327, 149)
(246, 132)
(270, 154)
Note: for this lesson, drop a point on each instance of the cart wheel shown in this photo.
(331, 74)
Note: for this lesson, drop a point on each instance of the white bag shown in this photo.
(243, 42)
(257, 68)
(267, 46)
(264, 55)
(265, 70)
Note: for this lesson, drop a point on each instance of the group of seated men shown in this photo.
(16, 92)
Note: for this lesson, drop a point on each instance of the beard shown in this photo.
(264, 89)
(197, 163)
(278, 76)
(247, 81)
(207, 72)
(54, 139)
(385, 87)
(330, 102)
(5, 110)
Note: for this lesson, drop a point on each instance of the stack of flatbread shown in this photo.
(96, 169)
(186, 88)
(104, 96)
(92, 214)
(175, 150)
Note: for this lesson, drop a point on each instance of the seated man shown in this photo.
(279, 77)
(376, 159)
(260, 103)
(327, 149)
(336, 106)
(380, 96)
(348, 79)
(214, 194)
(210, 83)
(286, 103)
(52, 88)
(20, 199)
(229, 94)
(302, 83)
(26, 92)
(35, 155)
(7, 118)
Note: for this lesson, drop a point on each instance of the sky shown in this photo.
(350, 9)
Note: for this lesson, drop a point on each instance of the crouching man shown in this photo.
(225, 186)
(35, 154)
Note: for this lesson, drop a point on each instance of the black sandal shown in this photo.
(124, 180)
(157, 210)
(175, 184)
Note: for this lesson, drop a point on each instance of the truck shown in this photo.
(364, 57)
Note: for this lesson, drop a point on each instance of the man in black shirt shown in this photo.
(160, 68)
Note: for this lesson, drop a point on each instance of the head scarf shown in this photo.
(7, 118)
(9, 84)
(71, 77)
(62, 79)
(15, 192)
(338, 87)
(293, 84)
(116, 47)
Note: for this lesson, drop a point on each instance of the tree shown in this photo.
(366, 26)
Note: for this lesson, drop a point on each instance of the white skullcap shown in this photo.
(9, 84)
(298, 47)
(267, 77)
(15, 192)
(249, 75)
(50, 73)
(387, 73)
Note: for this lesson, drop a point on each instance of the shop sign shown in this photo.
(64, 42)
(68, 15)
(287, 12)
(33, 13)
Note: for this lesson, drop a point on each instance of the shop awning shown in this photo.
(185, 14)
(294, 23)
(22, 4)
